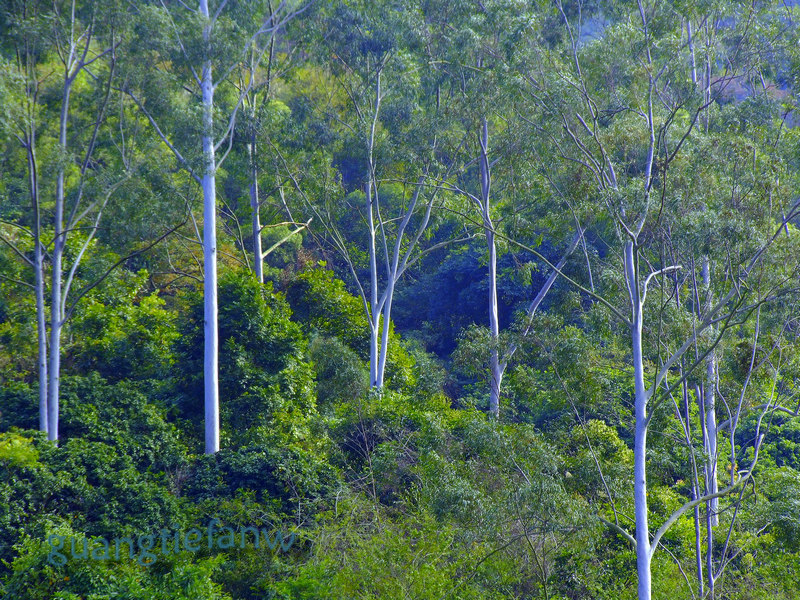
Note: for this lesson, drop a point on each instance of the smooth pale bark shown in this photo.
(692, 59)
(643, 554)
(709, 401)
(208, 184)
(396, 269)
(54, 368)
(56, 316)
(495, 367)
(378, 296)
(211, 342)
(373, 291)
(386, 325)
(375, 381)
(698, 550)
(497, 362)
(41, 333)
(39, 276)
(711, 436)
(252, 154)
(713, 314)
(258, 261)
(701, 403)
(29, 143)
(496, 370)
(707, 79)
(75, 61)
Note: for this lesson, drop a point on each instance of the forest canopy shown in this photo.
(425, 299)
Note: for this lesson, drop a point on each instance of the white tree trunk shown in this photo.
(258, 260)
(374, 317)
(643, 557)
(494, 329)
(495, 368)
(53, 379)
(693, 61)
(41, 333)
(395, 270)
(211, 343)
(56, 316)
(39, 275)
(709, 401)
(698, 546)
(387, 319)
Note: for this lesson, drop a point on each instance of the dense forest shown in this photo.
(399, 299)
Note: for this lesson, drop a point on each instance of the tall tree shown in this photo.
(73, 40)
(78, 43)
(472, 52)
(29, 47)
(375, 52)
(641, 195)
(199, 43)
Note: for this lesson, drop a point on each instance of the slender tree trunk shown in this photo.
(32, 89)
(56, 316)
(387, 316)
(55, 349)
(373, 356)
(692, 59)
(41, 334)
(211, 343)
(701, 405)
(710, 410)
(494, 329)
(258, 259)
(394, 271)
(709, 401)
(710, 553)
(374, 317)
(496, 369)
(39, 275)
(252, 152)
(698, 550)
(711, 437)
(707, 80)
(643, 557)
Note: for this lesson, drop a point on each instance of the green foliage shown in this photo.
(321, 303)
(10, 83)
(17, 450)
(17, 330)
(341, 375)
(284, 476)
(415, 555)
(89, 483)
(411, 491)
(121, 416)
(131, 339)
(781, 489)
(266, 381)
(283, 248)
(19, 406)
(34, 577)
